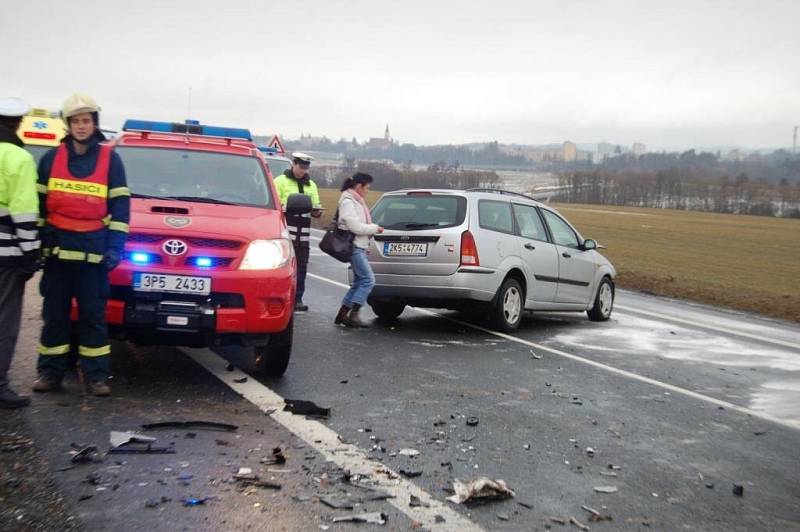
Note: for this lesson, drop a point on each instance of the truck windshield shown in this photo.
(202, 176)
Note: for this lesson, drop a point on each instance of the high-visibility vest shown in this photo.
(75, 203)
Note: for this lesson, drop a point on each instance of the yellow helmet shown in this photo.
(76, 104)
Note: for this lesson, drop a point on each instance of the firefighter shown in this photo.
(84, 206)
(293, 181)
(19, 246)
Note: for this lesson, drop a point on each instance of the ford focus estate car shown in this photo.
(483, 248)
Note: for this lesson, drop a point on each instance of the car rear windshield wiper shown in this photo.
(419, 225)
(199, 199)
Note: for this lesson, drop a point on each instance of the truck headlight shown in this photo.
(267, 254)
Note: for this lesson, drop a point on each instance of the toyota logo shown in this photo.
(174, 247)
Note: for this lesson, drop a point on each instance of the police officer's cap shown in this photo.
(14, 107)
(302, 159)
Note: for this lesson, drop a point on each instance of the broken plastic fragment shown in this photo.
(409, 452)
(194, 501)
(121, 438)
(211, 425)
(481, 488)
(472, 421)
(375, 518)
(305, 408)
(738, 490)
(416, 502)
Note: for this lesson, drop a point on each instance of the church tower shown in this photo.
(386, 136)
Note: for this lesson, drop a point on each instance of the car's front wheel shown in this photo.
(603, 301)
(507, 312)
(387, 310)
(271, 360)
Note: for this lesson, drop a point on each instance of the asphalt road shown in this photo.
(684, 401)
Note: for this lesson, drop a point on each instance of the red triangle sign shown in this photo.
(276, 143)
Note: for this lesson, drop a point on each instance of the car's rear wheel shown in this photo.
(271, 360)
(507, 312)
(603, 301)
(387, 310)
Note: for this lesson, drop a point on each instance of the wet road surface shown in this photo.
(684, 401)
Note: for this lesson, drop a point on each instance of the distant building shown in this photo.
(378, 142)
(569, 151)
(638, 148)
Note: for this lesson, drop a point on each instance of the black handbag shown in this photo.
(338, 243)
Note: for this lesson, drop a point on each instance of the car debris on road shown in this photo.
(210, 425)
(305, 408)
(606, 489)
(118, 438)
(375, 518)
(482, 488)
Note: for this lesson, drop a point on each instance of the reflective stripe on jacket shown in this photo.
(19, 204)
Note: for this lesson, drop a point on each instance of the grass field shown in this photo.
(742, 262)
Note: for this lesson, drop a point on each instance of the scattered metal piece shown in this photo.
(375, 518)
(481, 488)
(337, 504)
(86, 454)
(210, 425)
(240, 380)
(408, 452)
(472, 421)
(578, 524)
(606, 489)
(738, 490)
(118, 438)
(305, 408)
(469, 438)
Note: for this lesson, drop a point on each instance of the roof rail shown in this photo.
(498, 191)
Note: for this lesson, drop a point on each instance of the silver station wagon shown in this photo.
(487, 250)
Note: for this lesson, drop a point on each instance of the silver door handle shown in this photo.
(566, 255)
(530, 246)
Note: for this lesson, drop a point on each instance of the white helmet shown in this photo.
(78, 103)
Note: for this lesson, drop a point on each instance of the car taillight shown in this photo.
(469, 251)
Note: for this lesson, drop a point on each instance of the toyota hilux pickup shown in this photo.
(208, 261)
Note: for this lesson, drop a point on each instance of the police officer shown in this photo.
(84, 205)
(19, 246)
(293, 181)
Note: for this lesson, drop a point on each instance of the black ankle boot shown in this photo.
(353, 319)
(340, 317)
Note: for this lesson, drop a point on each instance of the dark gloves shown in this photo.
(30, 265)
(112, 259)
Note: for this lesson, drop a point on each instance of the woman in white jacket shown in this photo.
(354, 216)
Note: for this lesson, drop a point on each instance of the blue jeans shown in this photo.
(363, 279)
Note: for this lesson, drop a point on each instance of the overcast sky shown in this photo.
(671, 74)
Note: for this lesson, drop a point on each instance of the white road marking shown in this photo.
(606, 367)
(326, 442)
(700, 324)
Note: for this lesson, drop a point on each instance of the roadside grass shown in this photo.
(749, 263)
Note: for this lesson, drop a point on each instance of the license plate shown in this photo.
(405, 249)
(179, 284)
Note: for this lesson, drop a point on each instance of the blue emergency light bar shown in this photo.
(194, 128)
(268, 149)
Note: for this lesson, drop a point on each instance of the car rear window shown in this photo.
(419, 212)
(195, 175)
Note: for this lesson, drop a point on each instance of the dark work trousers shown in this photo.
(12, 287)
(301, 250)
(88, 284)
